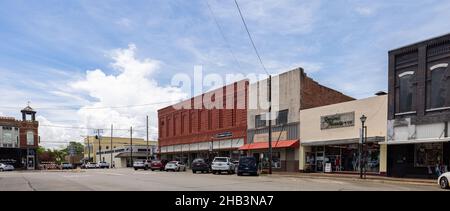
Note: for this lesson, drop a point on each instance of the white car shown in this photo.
(103, 165)
(223, 164)
(91, 166)
(6, 167)
(175, 166)
(443, 180)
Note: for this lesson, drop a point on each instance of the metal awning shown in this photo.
(374, 139)
(128, 154)
(416, 141)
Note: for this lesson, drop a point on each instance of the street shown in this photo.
(130, 180)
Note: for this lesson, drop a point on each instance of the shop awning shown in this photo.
(275, 145)
(416, 141)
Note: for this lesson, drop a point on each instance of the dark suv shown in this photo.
(201, 165)
(248, 165)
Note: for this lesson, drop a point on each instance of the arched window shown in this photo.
(438, 86)
(406, 89)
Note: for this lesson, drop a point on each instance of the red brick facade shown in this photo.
(201, 124)
(311, 90)
(24, 127)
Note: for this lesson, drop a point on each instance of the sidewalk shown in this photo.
(355, 177)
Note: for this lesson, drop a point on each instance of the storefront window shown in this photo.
(344, 158)
(276, 160)
(428, 155)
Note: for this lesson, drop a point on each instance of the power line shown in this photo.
(223, 35)
(250, 37)
(87, 128)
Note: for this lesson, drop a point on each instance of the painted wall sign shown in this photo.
(337, 121)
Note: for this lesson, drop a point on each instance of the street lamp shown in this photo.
(363, 120)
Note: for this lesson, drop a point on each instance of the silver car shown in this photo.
(6, 167)
(175, 166)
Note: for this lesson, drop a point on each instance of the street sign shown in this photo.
(328, 168)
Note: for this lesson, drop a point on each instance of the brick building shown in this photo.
(419, 109)
(292, 92)
(19, 140)
(212, 124)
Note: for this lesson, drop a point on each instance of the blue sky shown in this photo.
(69, 53)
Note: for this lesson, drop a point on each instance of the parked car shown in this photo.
(103, 165)
(90, 165)
(141, 164)
(6, 167)
(175, 166)
(66, 166)
(223, 164)
(248, 165)
(158, 165)
(201, 165)
(443, 180)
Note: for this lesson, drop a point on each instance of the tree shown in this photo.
(76, 147)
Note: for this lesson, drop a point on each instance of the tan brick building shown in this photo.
(292, 92)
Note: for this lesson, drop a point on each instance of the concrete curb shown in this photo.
(377, 180)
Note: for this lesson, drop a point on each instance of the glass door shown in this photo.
(30, 163)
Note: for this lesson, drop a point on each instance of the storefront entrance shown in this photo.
(343, 158)
(418, 160)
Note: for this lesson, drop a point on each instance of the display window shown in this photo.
(426, 155)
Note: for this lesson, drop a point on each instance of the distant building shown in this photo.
(19, 140)
(122, 156)
(96, 152)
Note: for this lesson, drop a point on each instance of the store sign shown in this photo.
(337, 121)
(264, 137)
(224, 135)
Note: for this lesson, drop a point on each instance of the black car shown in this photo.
(248, 165)
(201, 165)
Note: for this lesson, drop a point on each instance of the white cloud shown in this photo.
(133, 85)
(365, 11)
(124, 22)
(55, 137)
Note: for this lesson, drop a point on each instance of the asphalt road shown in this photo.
(130, 180)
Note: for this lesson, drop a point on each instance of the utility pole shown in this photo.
(111, 147)
(89, 149)
(270, 124)
(148, 152)
(99, 146)
(131, 147)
